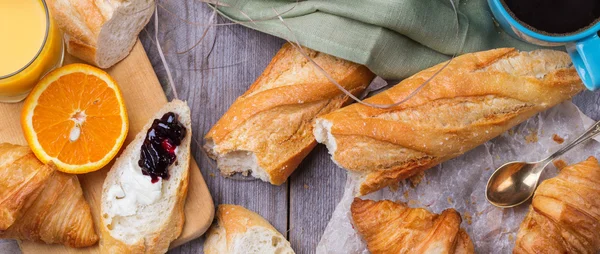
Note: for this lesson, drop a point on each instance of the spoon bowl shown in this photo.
(514, 183)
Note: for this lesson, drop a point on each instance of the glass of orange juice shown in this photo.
(31, 45)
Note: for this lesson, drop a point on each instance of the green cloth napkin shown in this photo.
(394, 38)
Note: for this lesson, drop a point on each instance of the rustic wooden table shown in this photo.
(210, 76)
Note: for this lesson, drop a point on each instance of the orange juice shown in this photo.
(30, 46)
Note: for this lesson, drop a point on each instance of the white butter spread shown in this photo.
(135, 189)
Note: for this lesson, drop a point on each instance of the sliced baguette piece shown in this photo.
(101, 32)
(476, 98)
(152, 227)
(241, 231)
(268, 130)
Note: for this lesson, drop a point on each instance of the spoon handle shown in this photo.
(588, 134)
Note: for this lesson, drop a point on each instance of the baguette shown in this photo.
(476, 98)
(241, 231)
(101, 32)
(268, 130)
(130, 223)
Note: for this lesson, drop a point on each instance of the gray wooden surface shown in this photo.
(210, 76)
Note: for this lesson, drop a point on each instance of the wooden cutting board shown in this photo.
(143, 97)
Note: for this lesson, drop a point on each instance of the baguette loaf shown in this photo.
(241, 231)
(132, 222)
(476, 98)
(268, 130)
(101, 32)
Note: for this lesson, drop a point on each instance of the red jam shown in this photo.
(158, 149)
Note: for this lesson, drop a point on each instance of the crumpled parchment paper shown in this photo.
(460, 183)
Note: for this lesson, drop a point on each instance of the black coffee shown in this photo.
(555, 16)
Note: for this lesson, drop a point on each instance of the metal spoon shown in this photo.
(514, 183)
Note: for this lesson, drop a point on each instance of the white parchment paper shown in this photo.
(460, 183)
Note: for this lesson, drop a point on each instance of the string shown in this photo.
(162, 56)
(250, 20)
(296, 44)
(212, 17)
(216, 3)
(175, 94)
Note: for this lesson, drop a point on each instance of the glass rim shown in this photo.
(39, 50)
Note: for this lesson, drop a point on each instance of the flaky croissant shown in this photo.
(564, 216)
(390, 227)
(38, 203)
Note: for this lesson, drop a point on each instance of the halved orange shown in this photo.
(75, 117)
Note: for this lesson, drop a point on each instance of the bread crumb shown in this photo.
(560, 164)
(413, 202)
(511, 132)
(416, 179)
(450, 201)
(486, 169)
(532, 137)
(394, 186)
(211, 175)
(405, 194)
(511, 237)
(468, 218)
(558, 139)
(479, 213)
(306, 186)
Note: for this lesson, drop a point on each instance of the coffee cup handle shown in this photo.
(586, 59)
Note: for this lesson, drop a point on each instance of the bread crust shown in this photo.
(476, 98)
(286, 98)
(86, 24)
(159, 241)
(83, 51)
(564, 216)
(237, 219)
(69, 15)
(391, 227)
(232, 222)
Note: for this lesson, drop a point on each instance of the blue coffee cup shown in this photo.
(583, 47)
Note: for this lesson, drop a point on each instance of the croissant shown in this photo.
(564, 216)
(38, 203)
(390, 227)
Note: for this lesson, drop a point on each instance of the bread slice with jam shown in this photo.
(143, 196)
